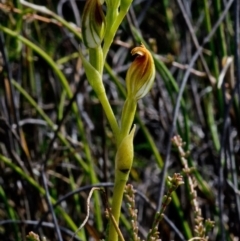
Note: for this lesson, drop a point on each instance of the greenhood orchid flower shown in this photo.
(141, 74)
(93, 24)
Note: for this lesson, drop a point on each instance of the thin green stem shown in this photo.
(121, 177)
(128, 113)
(108, 39)
(95, 79)
(109, 113)
(118, 190)
(223, 52)
(209, 28)
(61, 105)
(96, 59)
(31, 76)
(221, 35)
(211, 121)
(173, 37)
(110, 17)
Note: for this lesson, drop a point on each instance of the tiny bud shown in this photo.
(141, 74)
(93, 23)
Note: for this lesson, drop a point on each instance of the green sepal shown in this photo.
(125, 153)
(93, 76)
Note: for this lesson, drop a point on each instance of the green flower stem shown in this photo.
(121, 177)
(108, 38)
(96, 59)
(95, 80)
(109, 113)
(111, 15)
(128, 114)
(118, 190)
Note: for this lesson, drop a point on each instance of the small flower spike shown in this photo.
(141, 74)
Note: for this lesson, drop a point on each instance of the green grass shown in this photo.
(53, 121)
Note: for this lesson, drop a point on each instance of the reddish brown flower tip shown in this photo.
(141, 74)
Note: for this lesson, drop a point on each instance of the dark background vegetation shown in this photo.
(35, 163)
